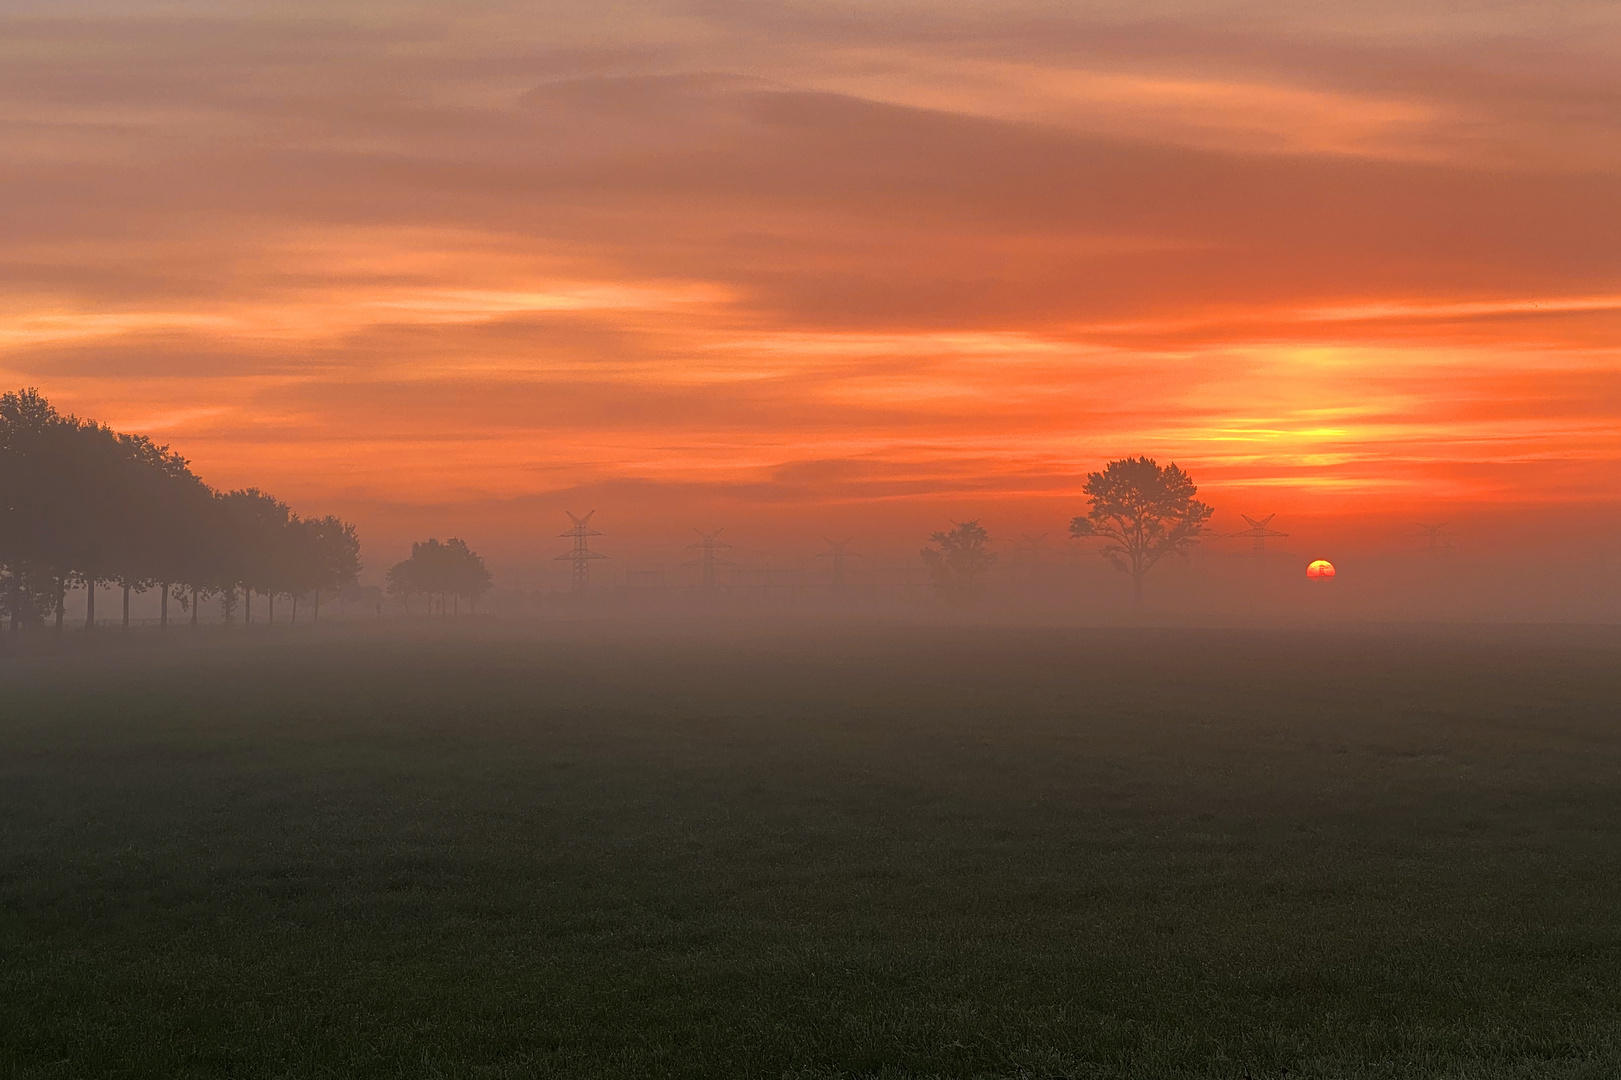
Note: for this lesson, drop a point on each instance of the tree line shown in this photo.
(82, 505)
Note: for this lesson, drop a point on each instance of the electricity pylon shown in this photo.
(582, 554)
(1258, 531)
(1027, 548)
(1438, 537)
(1026, 553)
(838, 551)
(707, 560)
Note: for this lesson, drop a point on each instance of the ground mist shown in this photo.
(483, 850)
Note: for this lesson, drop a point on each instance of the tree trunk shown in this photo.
(315, 612)
(194, 605)
(90, 603)
(295, 610)
(272, 619)
(247, 607)
(126, 607)
(1137, 589)
(61, 602)
(163, 608)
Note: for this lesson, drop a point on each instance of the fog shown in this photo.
(1220, 583)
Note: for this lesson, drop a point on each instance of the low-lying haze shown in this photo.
(800, 269)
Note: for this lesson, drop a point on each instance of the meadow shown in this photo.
(476, 850)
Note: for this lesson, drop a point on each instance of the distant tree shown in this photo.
(108, 518)
(401, 581)
(26, 568)
(205, 561)
(298, 562)
(252, 554)
(336, 551)
(25, 599)
(147, 530)
(470, 578)
(58, 481)
(959, 559)
(175, 542)
(449, 571)
(1145, 512)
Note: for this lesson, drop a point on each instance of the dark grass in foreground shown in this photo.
(468, 852)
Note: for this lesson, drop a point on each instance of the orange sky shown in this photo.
(857, 267)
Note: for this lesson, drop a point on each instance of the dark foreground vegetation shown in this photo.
(475, 853)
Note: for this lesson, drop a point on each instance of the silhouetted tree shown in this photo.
(470, 577)
(958, 561)
(25, 599)
(149, 524)
(1145, 512)
(401, 581)
(335, 556)
(177, 531)
(449, 571)
(58, 478)
(26, 424)
(253, 550)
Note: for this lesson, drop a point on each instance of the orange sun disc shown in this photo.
(1320, 570)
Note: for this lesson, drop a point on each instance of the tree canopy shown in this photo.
(1144, 511)
(448, 571)
(959, 559)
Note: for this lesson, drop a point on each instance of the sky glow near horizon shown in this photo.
(404, 262)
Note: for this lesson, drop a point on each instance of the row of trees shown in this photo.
(1142, 512)
(84, 505)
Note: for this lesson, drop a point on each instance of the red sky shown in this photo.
(829, 267)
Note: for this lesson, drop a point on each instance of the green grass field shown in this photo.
(472, 851)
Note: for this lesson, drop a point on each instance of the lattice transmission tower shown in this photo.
(838, 551)
(582, 554)
(708, 560)
(1439, 541)
(1258, 531)
(1028, 549)
(1027, 556)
